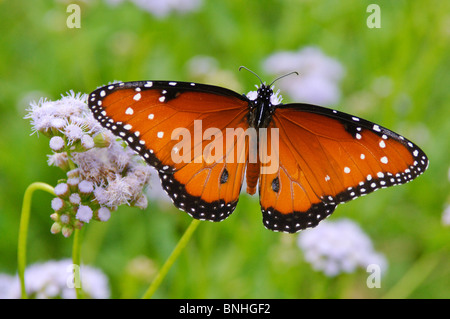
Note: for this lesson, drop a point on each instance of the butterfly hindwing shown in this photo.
(288, 199)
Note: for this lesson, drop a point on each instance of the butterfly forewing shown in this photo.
(331, 158)
(173, 126)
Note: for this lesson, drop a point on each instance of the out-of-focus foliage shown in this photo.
(397, 75)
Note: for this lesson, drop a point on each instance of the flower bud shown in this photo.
(64, 219)
(56, 228)
(67, 231)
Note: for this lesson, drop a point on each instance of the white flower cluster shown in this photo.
(446, 216)
(162, 8)
(318, 79)
(102, 173)
(340, 246)
(55, 279)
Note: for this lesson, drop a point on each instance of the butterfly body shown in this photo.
(261, 108)
(304, 159)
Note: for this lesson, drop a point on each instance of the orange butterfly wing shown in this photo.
(328, 157)
(168, 124)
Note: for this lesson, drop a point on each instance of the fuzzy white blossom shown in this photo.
(57, 143)
(101, 170)
(446, 216)
(54, 279)
(336, 247)
(162, 8)
(318, 79)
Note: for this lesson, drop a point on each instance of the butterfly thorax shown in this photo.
(261, 107)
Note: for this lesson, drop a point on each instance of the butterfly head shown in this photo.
(265, 94)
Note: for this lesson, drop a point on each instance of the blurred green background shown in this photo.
(238, 258)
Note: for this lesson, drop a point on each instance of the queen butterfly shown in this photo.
(323, 157)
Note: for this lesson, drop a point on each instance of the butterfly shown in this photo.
(205, 140)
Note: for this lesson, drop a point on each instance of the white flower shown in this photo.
(319, 75)
(54, 279)
(75, 199)
(103, 214)
(73, 132)
(162, 8)
(6, 283)
(86, 187)
(57, 204)
(87, 141)
(446, 216)
(57, 143)
(46, 115)
(84, 213)
(100, 169)
(61, 189)
(339, 246)
(58, 159)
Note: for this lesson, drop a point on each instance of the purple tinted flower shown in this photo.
(57, 143)
(54, 279)
(101, 170)
(318, 79)
(103, 214)
(84, 213)
(340, 246)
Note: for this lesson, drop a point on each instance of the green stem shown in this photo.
(76, 260)
(171, 260)
(23, 230)
(414, 277)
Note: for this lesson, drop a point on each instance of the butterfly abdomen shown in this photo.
(252, 177)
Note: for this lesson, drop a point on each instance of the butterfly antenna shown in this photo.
(285, 75)
(243, 67)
